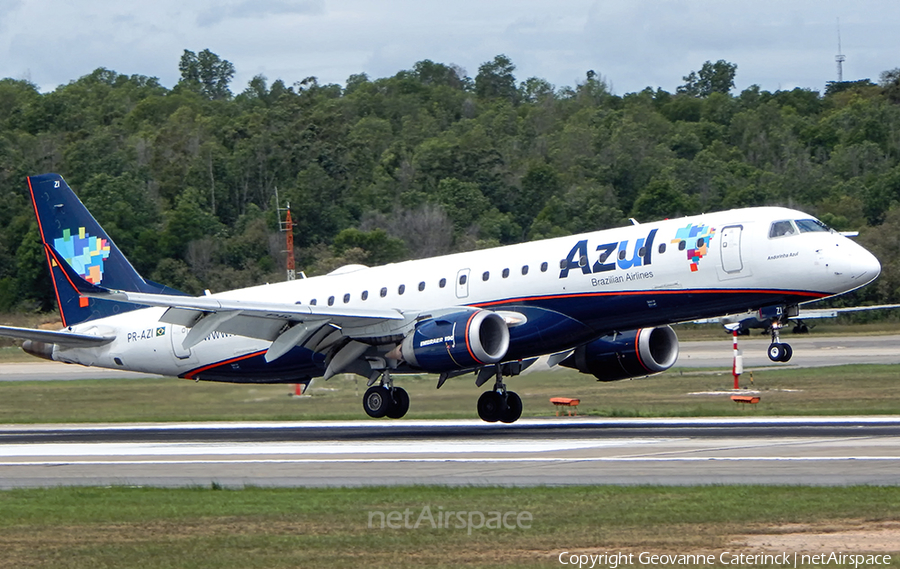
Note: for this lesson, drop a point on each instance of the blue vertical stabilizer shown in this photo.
(81, 255)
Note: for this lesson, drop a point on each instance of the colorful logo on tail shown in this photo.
(696, 238)
(84, 253)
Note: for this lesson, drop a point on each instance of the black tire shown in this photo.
(776, 352)
(788, 352)
(513, 407)
(400, 404)
(377, 401)
(491, 406)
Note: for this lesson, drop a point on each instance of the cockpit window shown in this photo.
(808, 225)
(782, 228)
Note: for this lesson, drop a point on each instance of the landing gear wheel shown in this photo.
(491, 406)
(377, 401)
(788, 352)
(399, 404)
(776, 352)
(780, 352)
(513, 408)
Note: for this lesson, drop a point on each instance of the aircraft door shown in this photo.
(178, 334)
(462, 283)
(731, 249)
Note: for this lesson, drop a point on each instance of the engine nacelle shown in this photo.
(630, 354)
(457, 340)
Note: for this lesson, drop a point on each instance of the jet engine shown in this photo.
(629, 354)
(457, 340)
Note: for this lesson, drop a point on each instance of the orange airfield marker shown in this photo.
(567, 402)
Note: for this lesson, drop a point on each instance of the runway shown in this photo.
(557, 451)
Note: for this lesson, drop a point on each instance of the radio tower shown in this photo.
(287, 227)
(839, 58)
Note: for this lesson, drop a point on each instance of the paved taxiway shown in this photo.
(819, 451)
(809, 351)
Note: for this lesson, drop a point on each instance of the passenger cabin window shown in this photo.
(485, 275)
(312, 302)
(505, 273)
(462, 279)
(442, 283)
(401, 289)
(421, 286)
(809, 225)
(782, 229)
(364, 295)
(383, 292)
(330, 301)
(346, 298)
(544, 267)
(662, 248)
(681, 245)
(524, 269)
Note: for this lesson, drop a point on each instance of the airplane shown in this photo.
(599, 302)
(762, 319)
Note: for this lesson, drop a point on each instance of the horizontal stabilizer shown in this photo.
(67, 339)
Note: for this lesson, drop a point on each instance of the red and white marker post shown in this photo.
(737, 367)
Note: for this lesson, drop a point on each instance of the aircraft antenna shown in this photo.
(839, 58)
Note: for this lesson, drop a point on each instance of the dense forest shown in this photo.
(426, 162)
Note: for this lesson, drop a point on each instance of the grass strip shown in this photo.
(330, 527)
(839, 390)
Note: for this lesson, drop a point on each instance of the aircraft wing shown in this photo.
(284, 324)
(754, 320)
(813, 313)
(67, 339)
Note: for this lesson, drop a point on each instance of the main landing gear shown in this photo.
(778, 351)
(498, 404)
(385, 400)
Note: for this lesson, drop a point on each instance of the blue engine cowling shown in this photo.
(629, 354)
(457, 340)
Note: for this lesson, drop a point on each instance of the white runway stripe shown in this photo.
(457, 460)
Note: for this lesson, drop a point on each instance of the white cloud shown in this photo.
(633, 44)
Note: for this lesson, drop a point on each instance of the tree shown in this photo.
(890, 84)
(495, 80)
(715, 77)
(206, 74)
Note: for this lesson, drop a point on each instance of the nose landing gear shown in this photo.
(778, 351)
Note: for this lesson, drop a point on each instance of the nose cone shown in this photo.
(864, 266)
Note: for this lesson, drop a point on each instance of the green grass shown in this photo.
(841, 390)
(311, 528)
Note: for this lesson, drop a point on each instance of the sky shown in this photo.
(632, 44)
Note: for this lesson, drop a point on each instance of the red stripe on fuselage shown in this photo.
(193, 373)
(646, 292)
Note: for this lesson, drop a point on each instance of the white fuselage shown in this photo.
(738, 256)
